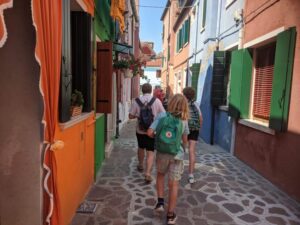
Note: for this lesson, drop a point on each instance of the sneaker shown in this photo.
(191, 179)
(148, 179)
(159, 208)
(140, 168)
(171, 219)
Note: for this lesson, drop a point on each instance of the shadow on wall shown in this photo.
(205, 103)
(223, 130)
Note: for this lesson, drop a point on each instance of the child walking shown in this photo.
(171, 131)
(195, 123)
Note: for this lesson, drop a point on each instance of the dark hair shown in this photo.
(147, 88)
(189, 93)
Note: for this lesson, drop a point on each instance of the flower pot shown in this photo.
(76, 110)
(128, 73)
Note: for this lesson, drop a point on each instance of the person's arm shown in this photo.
(133, 111)
(152, 128)
(200, 114)
(150, 132)
(185, 134)
(131, 116)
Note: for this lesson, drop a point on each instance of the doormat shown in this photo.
(87, 208)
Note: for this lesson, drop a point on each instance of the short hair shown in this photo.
(189, 93)
(178, 107)
(146, 88)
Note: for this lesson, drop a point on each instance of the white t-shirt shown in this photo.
(156, 107)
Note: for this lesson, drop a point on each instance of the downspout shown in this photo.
(234, 121)
(168, 71)
(212, 130)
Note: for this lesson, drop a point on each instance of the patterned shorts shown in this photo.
(166, 163)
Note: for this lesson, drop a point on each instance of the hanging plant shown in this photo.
(121, 64)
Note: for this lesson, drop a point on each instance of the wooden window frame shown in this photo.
(255, 113)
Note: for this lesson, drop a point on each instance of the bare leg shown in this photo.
(141, 156)
(192, 145)
(160, 185)
(150, 159)
(173, 192)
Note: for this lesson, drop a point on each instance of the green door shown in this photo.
(99, 142)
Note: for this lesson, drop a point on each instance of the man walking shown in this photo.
(145, 109)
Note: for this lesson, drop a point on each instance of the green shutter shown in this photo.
(180, 38)
(177, 46)
(195, 69)
(281, 86)
(188, 29)
(240, 83)
(219, 69)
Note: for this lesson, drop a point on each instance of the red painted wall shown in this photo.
(277, 157)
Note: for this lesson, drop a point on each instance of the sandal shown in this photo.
(140, 168)
(148, 179)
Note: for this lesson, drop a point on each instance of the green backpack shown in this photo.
(168, 135)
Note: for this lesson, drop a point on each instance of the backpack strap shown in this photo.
(152, 101)
(139, 102)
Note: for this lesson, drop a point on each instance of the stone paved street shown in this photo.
(226, 192)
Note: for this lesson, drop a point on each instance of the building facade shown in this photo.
(266, 100)
(52, 157)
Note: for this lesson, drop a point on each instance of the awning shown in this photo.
(123, 48)
(87, 5)
(4, 4)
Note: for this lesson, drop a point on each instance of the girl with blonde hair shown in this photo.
(171, 131)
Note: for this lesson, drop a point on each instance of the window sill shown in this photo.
(98, 115)
(75, 120)
(257, 125)
(202, 30)
(185, 44)
(223, 108)
(229, 4)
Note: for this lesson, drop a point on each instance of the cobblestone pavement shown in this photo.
(226, 192)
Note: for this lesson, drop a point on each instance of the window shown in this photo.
(204, 5)
(262, 91)
(183, 34)
(272, 81)
(76, 72)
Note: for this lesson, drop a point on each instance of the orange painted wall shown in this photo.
(276, 156)
(75, 166)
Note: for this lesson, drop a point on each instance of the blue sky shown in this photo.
(151, 26)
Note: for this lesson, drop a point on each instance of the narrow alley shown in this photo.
(226, 192)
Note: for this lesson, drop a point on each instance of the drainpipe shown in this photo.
(234, 121)
(212, 130)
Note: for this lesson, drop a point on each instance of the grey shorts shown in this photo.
(166, 163)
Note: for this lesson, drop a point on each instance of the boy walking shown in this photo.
(145, 109)
(170, 130)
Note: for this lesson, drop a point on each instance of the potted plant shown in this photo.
(121, 64)
(76, 103)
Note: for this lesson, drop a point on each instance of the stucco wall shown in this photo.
(276, 156)
(21, 115)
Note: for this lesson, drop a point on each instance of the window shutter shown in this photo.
(283, 69)
(195, 69)
(240, 83)
(263, 81)
(81, 56)
(66, 73)
(188, 29)
(104, 77)
(219, 69)
(204, 13)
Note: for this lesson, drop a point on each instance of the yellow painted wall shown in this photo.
(75, 166)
